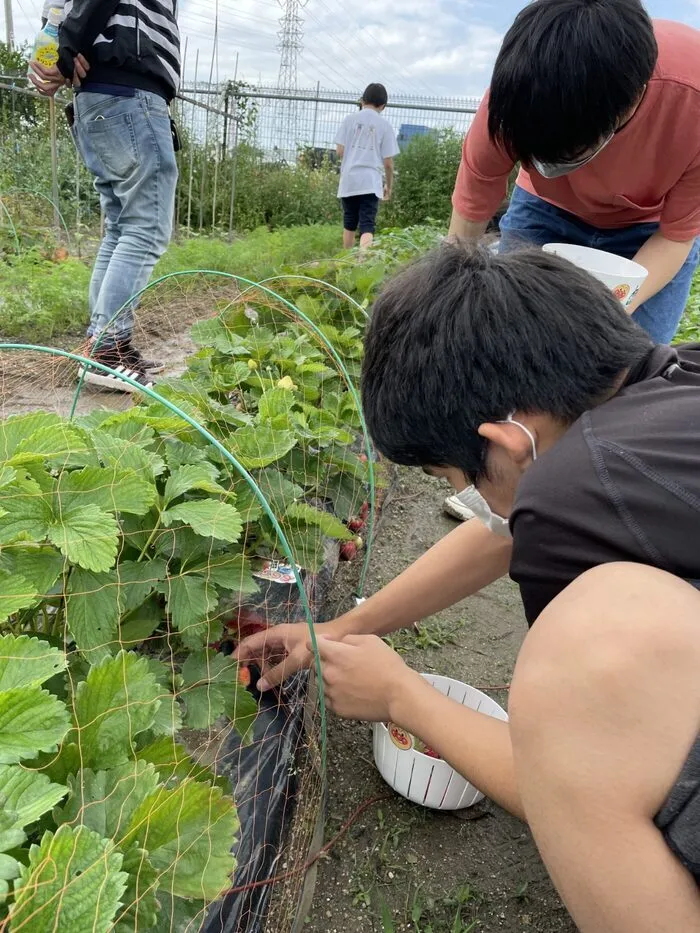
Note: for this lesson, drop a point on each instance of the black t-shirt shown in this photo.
(623, 484)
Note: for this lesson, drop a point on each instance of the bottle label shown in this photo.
(47, 55)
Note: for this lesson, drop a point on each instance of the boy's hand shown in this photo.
(281, 651)
(387, 193)
(362, 677)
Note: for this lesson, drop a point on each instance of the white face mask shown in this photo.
(473, 500)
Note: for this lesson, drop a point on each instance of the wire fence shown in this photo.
(251, 156)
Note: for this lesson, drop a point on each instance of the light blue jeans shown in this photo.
(530, 220)
(127, 144)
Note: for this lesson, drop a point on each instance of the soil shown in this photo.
(402, 867)
(30, 380)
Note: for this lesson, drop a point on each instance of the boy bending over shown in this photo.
(580, 442)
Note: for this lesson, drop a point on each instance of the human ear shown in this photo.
(511, 439)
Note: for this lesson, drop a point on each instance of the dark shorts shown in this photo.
(361, 211)
(679, 820)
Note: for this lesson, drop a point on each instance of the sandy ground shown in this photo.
(402, 867)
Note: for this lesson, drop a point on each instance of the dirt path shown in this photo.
(401, 867)
(31, 380)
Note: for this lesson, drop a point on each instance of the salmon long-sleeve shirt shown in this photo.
(650, 172)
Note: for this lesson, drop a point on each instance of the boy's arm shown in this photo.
(389, 178)
(463, 563)
(340, 149)
(79, 30)
(482, 180)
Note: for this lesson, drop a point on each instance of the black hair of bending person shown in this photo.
(375, 95)
(465, 337)
(568, 74)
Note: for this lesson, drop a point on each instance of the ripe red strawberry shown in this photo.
(348, 551)
(244, 677)
(364, 511)
(356, 525)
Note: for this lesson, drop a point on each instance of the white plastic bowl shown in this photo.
(419, 778)
(622, 276)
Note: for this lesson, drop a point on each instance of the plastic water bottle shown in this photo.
(45, 49)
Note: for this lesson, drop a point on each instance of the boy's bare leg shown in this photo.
(348, 239)
(366, 240)
(605, 708)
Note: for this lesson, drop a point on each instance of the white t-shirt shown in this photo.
(368, 139)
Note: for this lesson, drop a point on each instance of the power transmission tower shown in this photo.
(290, 46)
(9, 25)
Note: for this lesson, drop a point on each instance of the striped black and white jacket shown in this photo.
(127, 42)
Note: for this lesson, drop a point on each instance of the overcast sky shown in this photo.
(427, 47)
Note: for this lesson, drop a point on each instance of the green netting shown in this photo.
(143, 784)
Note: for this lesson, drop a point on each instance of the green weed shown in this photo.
(42, 299)
(690, 325)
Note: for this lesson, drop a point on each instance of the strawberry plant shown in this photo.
(106, 823)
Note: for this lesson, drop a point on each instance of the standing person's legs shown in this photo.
(605, 720)
(126, 143)
(111, 211)
(351, 220)
(369, 207)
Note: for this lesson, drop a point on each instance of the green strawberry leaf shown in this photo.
(208, 518)
(104, 801)
(191, 600)
(228, 571)
(87, 536)
(110, 489)
(31, 721)
(124, 454)
(194, 476)
(28, 662)
(11, 837)
(26, 514)
(92, 611)
(258, 446)
(62, 445)
(29, 794)
(138, 581)
(140, 908)
(16, 593)
(41, 566)
(118, 700)
(300, 513)
(188, 832)
(173, 763)
(72, 884)
(18, 427)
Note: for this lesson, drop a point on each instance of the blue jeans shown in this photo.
(532, 221)
(127, 144)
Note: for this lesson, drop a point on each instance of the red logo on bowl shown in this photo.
(622, 292)
(400, 738)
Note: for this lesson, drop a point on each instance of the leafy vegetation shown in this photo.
(689, 331)
(94, 835)
(125, 539)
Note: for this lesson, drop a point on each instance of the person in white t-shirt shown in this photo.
(367, 146)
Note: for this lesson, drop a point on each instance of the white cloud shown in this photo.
(425, 47)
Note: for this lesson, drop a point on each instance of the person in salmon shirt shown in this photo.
(601, 107)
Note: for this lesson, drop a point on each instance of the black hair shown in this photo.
(465, 337)
(375, 95)
(568, 72)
